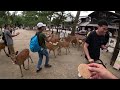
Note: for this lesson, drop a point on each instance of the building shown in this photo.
(90, 22)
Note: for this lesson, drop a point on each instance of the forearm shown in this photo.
(87, 52)
(111, 76)
(14, 35)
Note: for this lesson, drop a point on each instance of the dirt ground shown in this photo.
(63, 67)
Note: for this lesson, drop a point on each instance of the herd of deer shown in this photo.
(54, 43)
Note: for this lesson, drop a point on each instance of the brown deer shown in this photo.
(2, 46)
(63, 44)
(52, 47)
(20, 58)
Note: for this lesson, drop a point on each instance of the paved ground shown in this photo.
(63, 67)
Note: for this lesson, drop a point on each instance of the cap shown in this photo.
(40, 24)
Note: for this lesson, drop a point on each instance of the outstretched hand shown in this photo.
(98, 71)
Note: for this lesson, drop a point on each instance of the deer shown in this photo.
(2, 46)
(52, 43)
(63, 44)
(20, 58)
(52, 47)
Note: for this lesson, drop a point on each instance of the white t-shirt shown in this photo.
(61, 34)
(66, 34)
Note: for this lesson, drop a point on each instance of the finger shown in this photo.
(94, 77)
(93, 73)
(93, 69)
(93, 65)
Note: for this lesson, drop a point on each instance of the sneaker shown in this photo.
(48, 65)
(38, 70)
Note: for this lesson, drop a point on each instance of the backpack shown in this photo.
(3, 38)
(34, 44)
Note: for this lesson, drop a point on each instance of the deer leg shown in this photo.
(21, 71)
(24, 66)
(66, 51)
(58, 51)
(54, 53)
(31, 59)
(78, 46)
(28, 63)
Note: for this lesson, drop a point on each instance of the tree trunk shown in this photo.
(50, 24)
(57, 29)
(60, 20)
(75, 23)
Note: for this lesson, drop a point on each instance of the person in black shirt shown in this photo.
(95, 41)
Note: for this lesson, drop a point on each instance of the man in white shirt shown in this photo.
(66, 34)
(62, 35)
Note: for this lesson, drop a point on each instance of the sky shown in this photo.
(84, 13)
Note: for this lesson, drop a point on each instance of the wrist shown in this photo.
(89, 58)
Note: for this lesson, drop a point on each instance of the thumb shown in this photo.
(94, 69)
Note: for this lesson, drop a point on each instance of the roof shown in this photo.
(84, 24)
(114, 14)
(116, 21)
(95, 25)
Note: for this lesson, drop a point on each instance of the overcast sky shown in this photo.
(82, 13)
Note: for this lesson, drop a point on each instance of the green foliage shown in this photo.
(31, 18)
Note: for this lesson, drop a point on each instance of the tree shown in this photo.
(29, 18)
(2, 18)
(50, 15)
(75, 23)
(59, 18)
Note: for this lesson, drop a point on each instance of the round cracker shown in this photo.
(83, 70)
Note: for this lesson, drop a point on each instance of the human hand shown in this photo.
(98, 71)
(17, 33)
(105, 46)
(91, 60)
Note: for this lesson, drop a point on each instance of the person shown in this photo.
(13, 29)
(66, 34)
(94, 42)
(100, 72)
(62, 35)
(41, 40)
(106, 40)
(9, 40)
